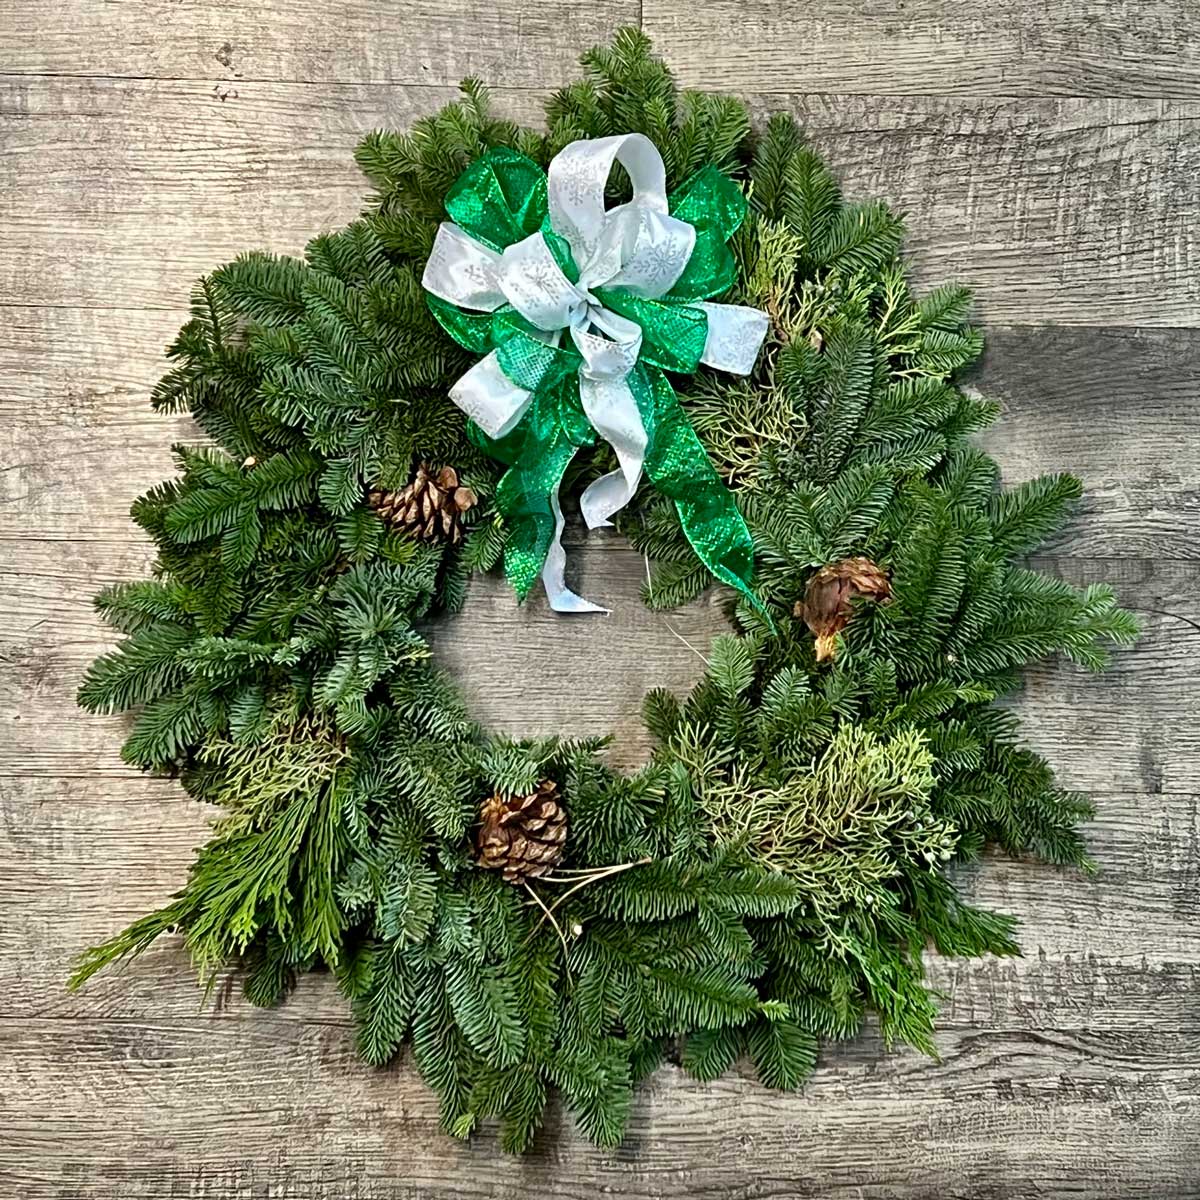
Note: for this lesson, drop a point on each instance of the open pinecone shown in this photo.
(429, 508)
(523, 836)
(827, 602)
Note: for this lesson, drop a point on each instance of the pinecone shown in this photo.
(523, 836)
(826, 606)
(429, 508)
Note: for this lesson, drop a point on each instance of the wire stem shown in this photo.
(549, 915)
(585, 877)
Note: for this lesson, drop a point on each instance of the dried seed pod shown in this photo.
(828, 600)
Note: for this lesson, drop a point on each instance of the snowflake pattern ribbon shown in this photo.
(527, 257)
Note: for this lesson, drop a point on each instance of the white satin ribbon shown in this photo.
(638, 246)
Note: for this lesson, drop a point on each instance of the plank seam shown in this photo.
(537, 90)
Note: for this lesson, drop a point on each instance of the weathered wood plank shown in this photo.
(153, 183)
(933, 47)
(202, 1110)
(1058, 387)
(1113, 732)
(527, 671)
(1070, 212)
(78, 441)
(339, 41)
(1119, 407)
(82, 857)
(74, 407)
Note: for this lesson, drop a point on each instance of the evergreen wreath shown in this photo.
(526, 916)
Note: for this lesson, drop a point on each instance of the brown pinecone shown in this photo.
(523, 836)
(429, 508)
(826, 606)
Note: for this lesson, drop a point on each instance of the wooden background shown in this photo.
(1047, 154)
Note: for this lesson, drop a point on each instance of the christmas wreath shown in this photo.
(517, 318)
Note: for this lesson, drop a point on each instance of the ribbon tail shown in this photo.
(561, 598)
(679, 468)
(527, 499)
(613, 411)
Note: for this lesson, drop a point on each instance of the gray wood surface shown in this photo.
(1056, 211)
(1046, 155)
(933, 47)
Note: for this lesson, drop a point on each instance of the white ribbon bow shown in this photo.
(637, 246)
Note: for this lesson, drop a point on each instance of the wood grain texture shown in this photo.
(1069, 212)
(79, 866)
(933, 47)
(923, 47)
(328, 41)
(1119, 407)
(141, 144)
(120, 193)
(1117, 732)
(283, 1108)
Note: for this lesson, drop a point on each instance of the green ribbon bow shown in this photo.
(501, 202)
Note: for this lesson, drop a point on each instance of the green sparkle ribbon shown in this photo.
(500, 200)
